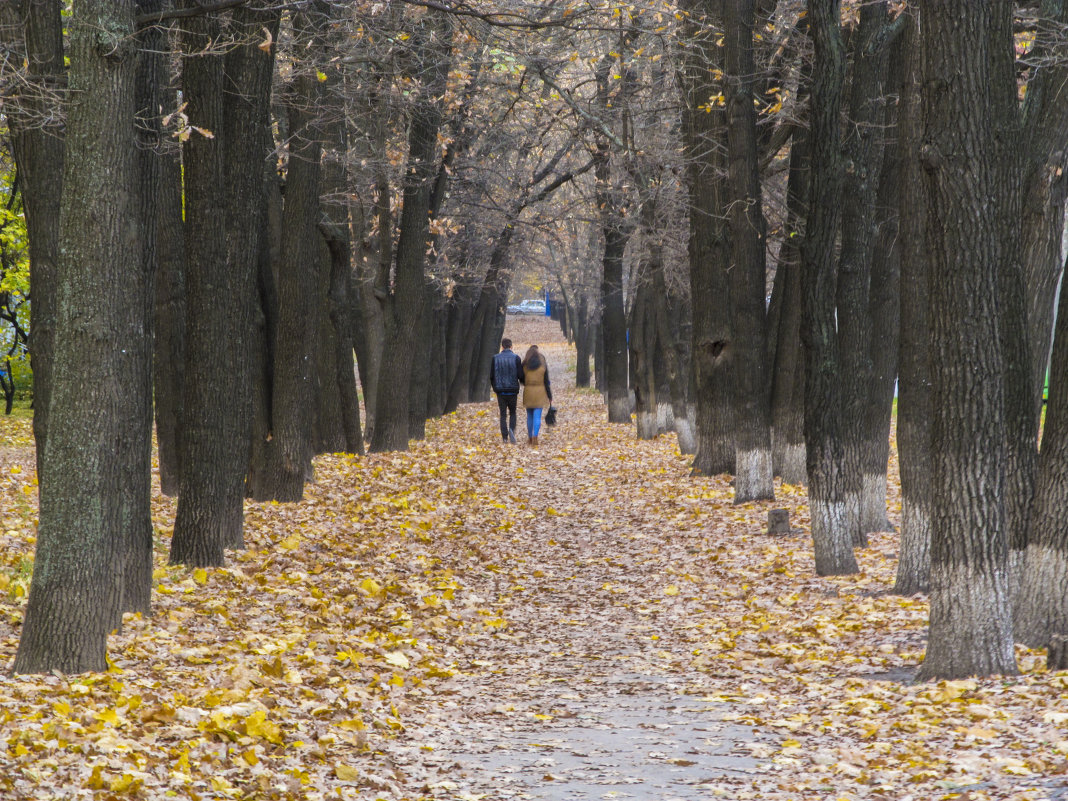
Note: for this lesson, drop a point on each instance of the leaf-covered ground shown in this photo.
(475, 620)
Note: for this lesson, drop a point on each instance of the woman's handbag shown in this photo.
(550, 416)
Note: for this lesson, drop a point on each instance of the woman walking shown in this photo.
(537, 393)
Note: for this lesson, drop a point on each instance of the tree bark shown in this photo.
(582, 342)
(136, 326)
(970, 631)
(1042, 604)
(863, 161)
(294, 389)
(788, 369)
(754, 476)
(406, 306)
(613, 316)
(170, 315)
(224, 191)
(703, 124)
(1044, 180)
(1020, 409)
(38, 147)
(208, 508)
(914, 382)
(642, 347)
(884, 310)
(76, 590)
(832, 530)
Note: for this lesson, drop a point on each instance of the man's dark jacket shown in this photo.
(505, 373)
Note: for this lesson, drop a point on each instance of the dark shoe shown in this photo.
(534, 441)
(511, 437)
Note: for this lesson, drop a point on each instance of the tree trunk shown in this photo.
(884, 311)
(420, 366)
(224, 191)
(170, 311)
(642, 347)
(863, 155)
(39, 151)
(788, 374)
(76, 591)
(582, 343)
(914, 382)
(970, 630)
(339, 304)
(754, 477)
(1042, 604)
(407, 304)
(703, 124)
(136, 325)
(832, 530)
(613, 315)
(295, 386)
(1020, 409)
(1044, 182)
(208, 509)
(669, 311)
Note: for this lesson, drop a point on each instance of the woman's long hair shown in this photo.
(532, 359)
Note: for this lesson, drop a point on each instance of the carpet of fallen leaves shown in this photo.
(417, 606)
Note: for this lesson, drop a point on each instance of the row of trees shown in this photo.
(760, 214)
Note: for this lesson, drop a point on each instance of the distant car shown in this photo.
(528, 307)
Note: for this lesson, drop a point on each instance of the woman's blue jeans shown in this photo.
(533, 421)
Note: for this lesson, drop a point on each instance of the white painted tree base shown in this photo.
(873, 515)
(1042, 601)
(914, 557)
(753, 478)
(793, 469)
(832, 538)
(647, 425)
(687, 436)
(970, 632)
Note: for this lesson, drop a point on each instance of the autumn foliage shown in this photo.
(418, 601)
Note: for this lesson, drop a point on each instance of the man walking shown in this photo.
(506, 373)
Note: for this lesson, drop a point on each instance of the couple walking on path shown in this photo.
(507, 373)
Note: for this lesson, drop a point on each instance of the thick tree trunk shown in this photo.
(37, 145)
(224, 208)
(754, 475)
(295, 385)
(265, 330)
(339, 305)
(884, 310)
(170, 314)
(970, 630)
(1042, 604)
(669, 312)
(613, 316)
(914, 383)
(209, 508)
(458, 350)
(832, 529)
(420, 366)
(76, 591)
(406, 307)
(703, 126)
(863, 153)
(371, 284)
(642, 347)
(1020, 409)
(1044, 182)
(788, 373)
(136, 327)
